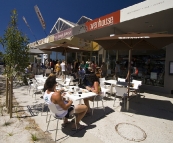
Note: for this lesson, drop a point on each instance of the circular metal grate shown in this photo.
(130, 132)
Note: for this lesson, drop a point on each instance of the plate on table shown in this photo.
(85, 91)
(70, 93)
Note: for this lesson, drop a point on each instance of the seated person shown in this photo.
(87, 71)
(94, 86)
(65, 108)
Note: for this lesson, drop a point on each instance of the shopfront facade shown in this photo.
(146, 17)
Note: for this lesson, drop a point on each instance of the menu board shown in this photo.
(171, 67)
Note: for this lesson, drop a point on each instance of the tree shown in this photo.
(16, 55)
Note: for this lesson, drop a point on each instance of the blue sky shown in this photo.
(51, 10)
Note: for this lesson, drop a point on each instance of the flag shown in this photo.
(43, 24)
(25, 21)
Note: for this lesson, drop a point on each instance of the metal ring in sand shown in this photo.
(130, 132)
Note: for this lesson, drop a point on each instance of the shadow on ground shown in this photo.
(98, 114)
(162, 109)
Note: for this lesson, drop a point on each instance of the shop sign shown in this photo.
(106, 20)
(42, 41)
(141, 37)
(63, 34)
(34, 44)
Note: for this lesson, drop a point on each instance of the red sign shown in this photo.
(103, 21)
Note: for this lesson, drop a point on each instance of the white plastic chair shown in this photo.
(72, 80)
(121, 79)
(54, 112)
(136, 84)
(40, 79)
(38, 76)
(104, 88)
(36, 87)
(29, 81)
(98, 98)
(120, 91)
(67, 81)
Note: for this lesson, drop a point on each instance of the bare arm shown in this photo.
(57, 99)
(95, 89)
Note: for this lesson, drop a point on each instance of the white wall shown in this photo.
(144, 8)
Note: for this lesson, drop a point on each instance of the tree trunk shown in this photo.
(11, 96)
(7, 86)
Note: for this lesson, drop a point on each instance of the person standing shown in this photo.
(35, 68)
(47, 63)
(93, 67)
(57, 69)
(81, 75)
(69, 69)
(117, 70)
(103, 69)
(63, 69)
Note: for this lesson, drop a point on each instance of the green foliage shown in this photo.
(34, 137)
(15, 46)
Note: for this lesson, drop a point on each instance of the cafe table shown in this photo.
(75, 93)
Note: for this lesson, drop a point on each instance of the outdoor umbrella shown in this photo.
(64, 48)
(135, 41)
(35, 51)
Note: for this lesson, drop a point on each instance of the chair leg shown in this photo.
(75, 123)
(56, 129)
(48, 123)
(93, 109)
(103, 106)
(43, 108)
(47, 115)
(124, 98)
(114, 100)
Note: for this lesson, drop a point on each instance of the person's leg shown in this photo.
(58, 74)
(80, 110)
(86, 101)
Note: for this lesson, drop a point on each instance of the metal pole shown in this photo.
(129, 73)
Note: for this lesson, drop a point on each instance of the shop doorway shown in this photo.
(100, 61)
(94, 59)
(84, 58)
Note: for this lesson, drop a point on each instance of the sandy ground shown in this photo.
(20, 128)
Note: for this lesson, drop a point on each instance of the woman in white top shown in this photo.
(65, 108)
(63, 68)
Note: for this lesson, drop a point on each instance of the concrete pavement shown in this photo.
(149, 120)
